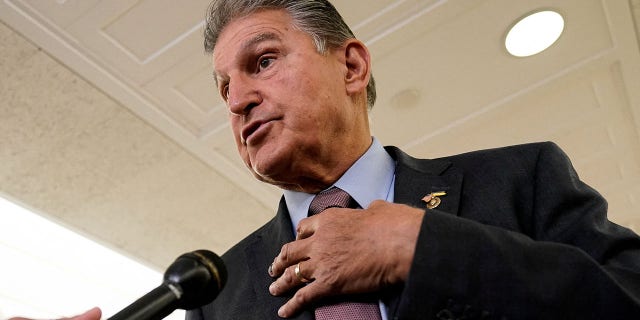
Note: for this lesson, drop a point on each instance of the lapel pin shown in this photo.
(433, 199)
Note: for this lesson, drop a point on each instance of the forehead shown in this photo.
(254, 25)
(242, 38)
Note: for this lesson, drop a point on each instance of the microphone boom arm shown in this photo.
(193, 280)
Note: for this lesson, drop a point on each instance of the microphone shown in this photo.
(193, 280)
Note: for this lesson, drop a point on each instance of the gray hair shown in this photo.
(318, 18)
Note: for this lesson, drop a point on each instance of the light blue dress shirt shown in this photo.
(370, 178)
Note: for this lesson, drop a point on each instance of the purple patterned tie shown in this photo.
(336, 197)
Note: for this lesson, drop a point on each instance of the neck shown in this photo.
(326, 173)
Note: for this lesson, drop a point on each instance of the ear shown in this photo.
(358, 64)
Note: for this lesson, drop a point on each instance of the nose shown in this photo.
(242, 96)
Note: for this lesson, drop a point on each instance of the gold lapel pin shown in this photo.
(433, 199)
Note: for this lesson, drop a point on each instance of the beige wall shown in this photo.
(72, 153)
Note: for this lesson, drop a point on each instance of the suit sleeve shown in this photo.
(561, 258)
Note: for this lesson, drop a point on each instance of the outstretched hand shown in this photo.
(92, 314)
(346, 251)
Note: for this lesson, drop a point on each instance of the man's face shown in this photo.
(289, 111)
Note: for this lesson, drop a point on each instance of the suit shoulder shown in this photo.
(526, 150)
(521, 157)
(516, 161)
(528, 154)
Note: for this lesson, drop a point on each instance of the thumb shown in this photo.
(91, 314)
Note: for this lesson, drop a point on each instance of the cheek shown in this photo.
(236, 127)
(244, 154)
(235, 123)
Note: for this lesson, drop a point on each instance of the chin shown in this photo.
(270, 171)
(262, 171)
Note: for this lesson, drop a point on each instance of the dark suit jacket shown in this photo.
(518, 236)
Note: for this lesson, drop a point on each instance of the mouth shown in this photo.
(251, 128)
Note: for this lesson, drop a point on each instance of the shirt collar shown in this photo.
(370, 178)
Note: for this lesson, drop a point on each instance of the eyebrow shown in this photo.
(251, 43)
(265, 36)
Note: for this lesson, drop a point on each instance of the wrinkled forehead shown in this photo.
(244, 34)
(261, 15)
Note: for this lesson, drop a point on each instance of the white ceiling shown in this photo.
(445, 85)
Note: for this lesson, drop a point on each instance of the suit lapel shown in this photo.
(260, 254)
(416, 178)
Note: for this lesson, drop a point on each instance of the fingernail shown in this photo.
(281, 313)
(271, 270)
(272, 288)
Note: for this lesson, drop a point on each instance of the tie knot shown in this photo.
(334, 197)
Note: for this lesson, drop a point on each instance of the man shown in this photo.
(507, 233)
(504, 233)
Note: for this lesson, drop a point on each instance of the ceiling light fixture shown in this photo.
(534, 33)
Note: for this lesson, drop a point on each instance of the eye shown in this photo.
(265, 62)
(224, 91)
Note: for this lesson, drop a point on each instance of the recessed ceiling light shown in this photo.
(534, 33)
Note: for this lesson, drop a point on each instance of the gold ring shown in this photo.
(299, 275)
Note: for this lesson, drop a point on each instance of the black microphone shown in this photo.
(193, 280)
